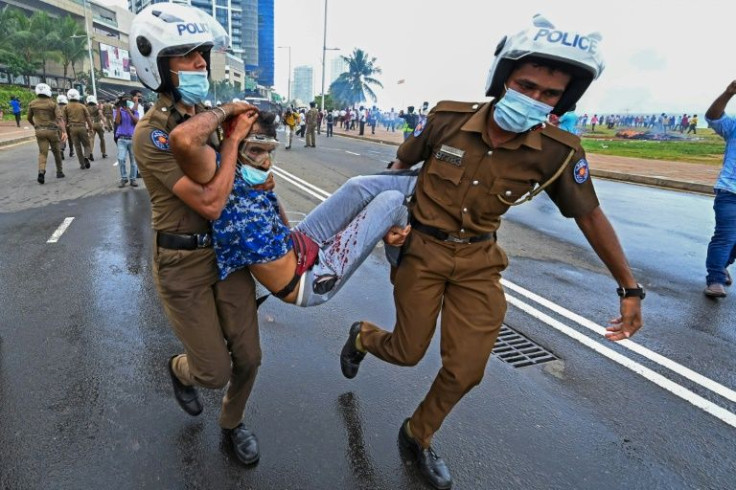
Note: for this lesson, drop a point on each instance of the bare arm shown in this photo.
(601, 236)
(718, 107)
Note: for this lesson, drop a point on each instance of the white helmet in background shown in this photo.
(73, 94)
(91, 99)
(235, 99)
(43, 89)
(574, 52)
(164, 30)
(208, 104)
(61, 99)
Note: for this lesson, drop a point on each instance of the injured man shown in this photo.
(306, 265)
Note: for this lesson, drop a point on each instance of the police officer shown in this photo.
(79, 124)
(107, 115)
(479, 159)
(311, 117)
(62, 101)
(215, 320)
(45, 117)
(95, 113)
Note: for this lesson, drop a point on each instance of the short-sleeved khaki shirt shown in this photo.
(76, 113)
(94, 113)
(44, 112)
(160, 171)
(463, 174)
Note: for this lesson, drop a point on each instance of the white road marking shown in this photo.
(656, 378)
(633, 346)
(647, 373)
(60, 230)
(5, 147)
(353, 153)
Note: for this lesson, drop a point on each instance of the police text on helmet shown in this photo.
(192, 28)
(568, 39)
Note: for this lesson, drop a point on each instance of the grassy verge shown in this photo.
(707, 147)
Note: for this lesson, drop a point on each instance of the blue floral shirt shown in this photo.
(249, 230)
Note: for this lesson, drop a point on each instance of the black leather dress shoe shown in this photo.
(431, 466)
(245, 444)
(41, 178)
(186, 396)
(91, 158)
(350, 356)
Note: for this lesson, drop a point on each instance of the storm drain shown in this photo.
(519, 351)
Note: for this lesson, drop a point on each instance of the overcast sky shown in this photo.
(661, 55)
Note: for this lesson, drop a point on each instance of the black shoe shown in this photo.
(60, 175)
(104, 155)
(186, 396)
(350, 356)
(62, 155)
(245, 444)
(133, 183)
(287, 147)
(86, 163)
(431, 466)
(41, 178)
(71, 153)
(91, 158)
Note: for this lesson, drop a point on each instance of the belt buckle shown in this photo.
(456, 239)
(203, 240)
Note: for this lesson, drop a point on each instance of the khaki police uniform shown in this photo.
(44, 115)
(459, 274)
(96, 115)
(77, 119)
(312, 115)
(215, 320)
(107, 114)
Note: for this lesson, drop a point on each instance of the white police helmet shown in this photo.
(61, 99)
(91, 99)
(235, 99)
(208, 103)
(43, 89)
(577, 52)
(73, 94)
(164, 30)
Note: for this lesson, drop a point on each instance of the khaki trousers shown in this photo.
(217, 323)
(80, 141)
(97, 128)
(48, 139)
(311, 134)
(463, 280)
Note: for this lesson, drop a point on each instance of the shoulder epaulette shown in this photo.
(160, 114)
(455, 106)
(561, 136)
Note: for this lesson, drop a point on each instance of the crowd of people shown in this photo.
(660, 123)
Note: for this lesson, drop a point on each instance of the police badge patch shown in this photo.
(160, 139)
(450, 155)
(581, 171)
(420, 127)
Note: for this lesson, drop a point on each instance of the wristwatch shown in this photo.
(638, 292)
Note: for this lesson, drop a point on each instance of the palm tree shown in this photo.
(72, 44)
(46, 38)
(8, 25)
(355, 85)
(25, 47)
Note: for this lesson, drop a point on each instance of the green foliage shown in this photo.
(355, 85)
(23, 93)
(329, 103)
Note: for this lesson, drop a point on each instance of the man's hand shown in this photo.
(628, 323)
(396, 236)
(63, 137)
(241, 124)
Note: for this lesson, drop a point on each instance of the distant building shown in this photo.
(303, 86)
(338, 66)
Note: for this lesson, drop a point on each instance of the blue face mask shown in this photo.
(193, 86)
(253, 176)
(130, 104)
(517, 113)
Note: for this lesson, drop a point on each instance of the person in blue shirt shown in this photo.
(722, 246)
(15, 104)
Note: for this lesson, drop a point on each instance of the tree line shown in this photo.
(29, 43)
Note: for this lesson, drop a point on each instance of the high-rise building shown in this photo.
(303, 87)
(265, 43)
(337, 66)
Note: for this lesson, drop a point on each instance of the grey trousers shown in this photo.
(348, 225)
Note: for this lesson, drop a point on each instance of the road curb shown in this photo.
(604, 174)
(16, 140)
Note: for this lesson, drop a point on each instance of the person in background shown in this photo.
(97, 128)
(330, 118)
(410, 121)
(722, 246)
(15, 106)
(312, 118)
(291, 121)
(79, 125)
(45, 117)
(125, 122)
(107, 116)
(62, 101)
(693, 125)
(138, 102)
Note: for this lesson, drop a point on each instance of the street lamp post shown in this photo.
(288, 97)
(89, 52)
(324, 51)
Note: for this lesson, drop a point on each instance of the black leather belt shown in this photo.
(174, 241)
(447, 237)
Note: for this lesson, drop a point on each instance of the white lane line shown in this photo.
(294, 178)
(629, 344)
(60, 230)
(353, 153)
(656, 378)
(647, 373)
(302, 187)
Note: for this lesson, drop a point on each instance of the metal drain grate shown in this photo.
(519, 351)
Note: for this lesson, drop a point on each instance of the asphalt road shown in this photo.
(85, 399)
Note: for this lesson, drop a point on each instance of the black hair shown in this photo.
(267, 122)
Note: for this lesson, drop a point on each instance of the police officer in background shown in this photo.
(215, 320)
(45, 117)
(311, 117)
(95, 112)
(107, 115)
(479, 159)
(79, 125)
(62, 101)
